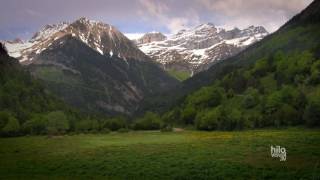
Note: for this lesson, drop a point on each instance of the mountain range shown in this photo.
(103, 38)
(298, 37)
(190, 51)
(196, 49)
(91, 65)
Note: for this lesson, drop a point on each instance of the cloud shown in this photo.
(167, 16)
(133, 36)
(271, 13)
(161, 14)
(32, 12)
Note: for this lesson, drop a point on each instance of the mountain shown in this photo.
(103, 38)
(22, 98)
(151, 37)
(196, 49)
(273, 83)
(3, 51)
(92, 66)
(300, 35)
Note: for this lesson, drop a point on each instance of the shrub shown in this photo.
(188, 114)
(150, 121)
(12, 127)
(36, 125)
(206, 97)
(208, 120)
(253, 119)
(4, 118)
(312, 113)
(171, 116)
(115, 123)
(57, 122)
(87, 125)
(123, 130)
(315, 73)
(167, 128)
(230, 119)
(287, 115)
(251, 98)
(105, 131)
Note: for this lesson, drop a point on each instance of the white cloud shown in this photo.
(242, 13)
(133, 36)
(159, 13)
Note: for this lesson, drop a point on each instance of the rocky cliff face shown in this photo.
(196, 49)
(151, 37)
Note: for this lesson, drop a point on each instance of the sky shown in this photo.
(22, 18)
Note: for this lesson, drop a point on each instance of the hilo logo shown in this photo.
(280, 152)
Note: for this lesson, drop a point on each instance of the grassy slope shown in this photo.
(180, 75)
(154, 155)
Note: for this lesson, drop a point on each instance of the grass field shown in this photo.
(179, 75)
(156, 155)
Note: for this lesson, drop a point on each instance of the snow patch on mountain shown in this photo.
(101, 37)
(196, 49)
(49, 30)
(14, 49)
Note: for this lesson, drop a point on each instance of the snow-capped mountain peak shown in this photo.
(103, 38)
(151, 37)
(48, 30)
(197, 48)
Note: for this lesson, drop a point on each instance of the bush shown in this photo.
(115, 123)
(206, 97)
(57, 122)
(36, 125)
(287, 115)
(12, 127)
(188, 114)
(220, 118)
(167, 128)
(208, 120)
(171, 116)
(251, 98)
(4, 118)
(105, 131)
(312, 113)
(87, 125)
(231, 119)
(150, 121)
(123, 130)
(253, 119)
(315, 73)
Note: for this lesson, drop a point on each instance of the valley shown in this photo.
(213, 93)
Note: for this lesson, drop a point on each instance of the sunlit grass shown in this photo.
(179, 75)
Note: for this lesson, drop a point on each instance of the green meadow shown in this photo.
(163, 155)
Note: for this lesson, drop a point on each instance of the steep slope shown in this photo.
(94, 67)
(274, 83)
(299, 34)
(196, 49)
(21, 96)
